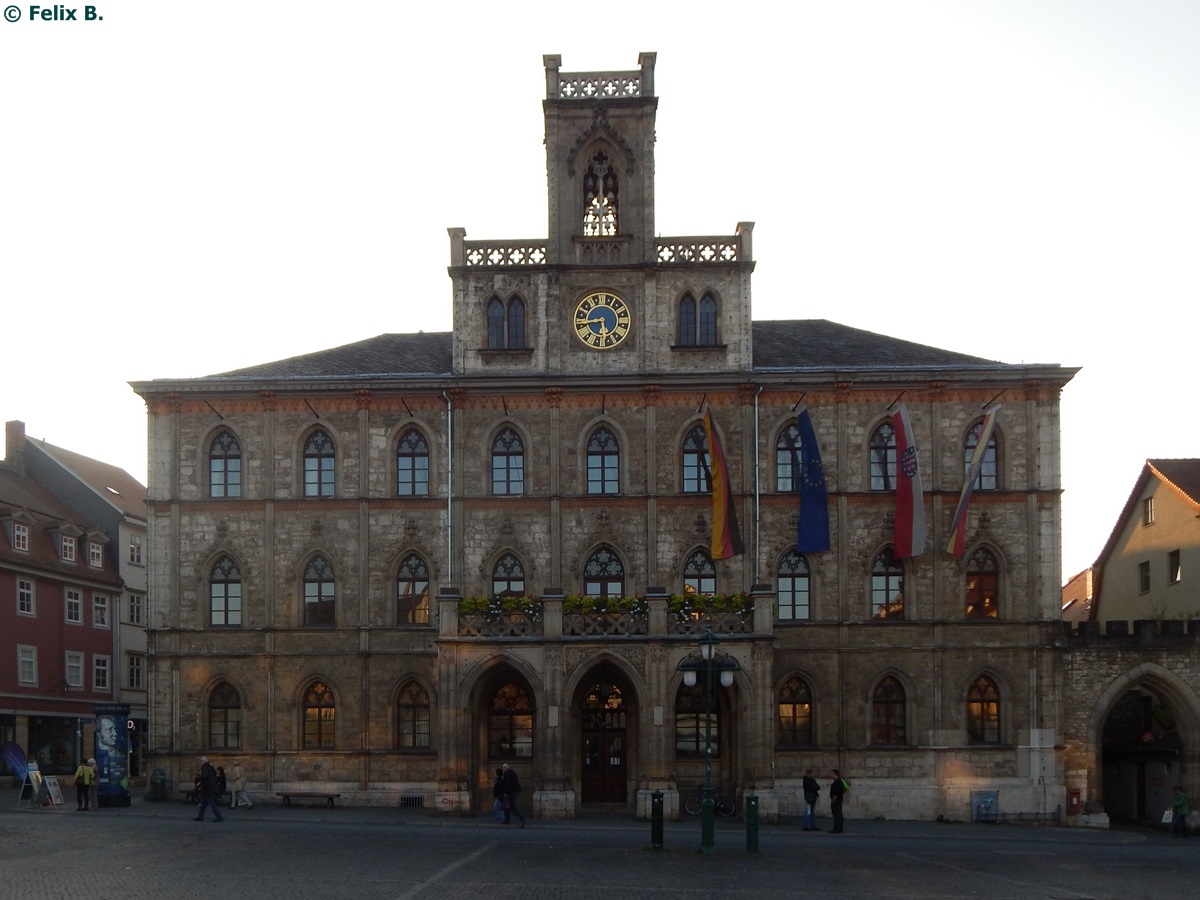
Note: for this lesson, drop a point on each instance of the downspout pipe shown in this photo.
(449, 579)
(757, 486)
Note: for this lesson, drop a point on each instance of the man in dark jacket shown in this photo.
(206, 778)
(811, 792)
(512, 790)
(837, 791)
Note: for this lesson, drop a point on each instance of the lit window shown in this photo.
(887, 587)
(697, 474)
(883, 458)
(225, 593)
(795, 713)
(319, 461)
(100, 673)
(983, 711)
(319, 593)
(1144, 576)
(68, 548)
(21, 537)
(603, 463)
(983, 585)
(74, 606)
(412, 717)
(320, 715)
(791, 585)
(604, 575)
(27, 673)
(412, 592)
(25, 597)
(225, 718)
(74, 669)
(412, 465)
(508, 464)
(99, 610)
(95, 555)
(510, 723)
(224, 466)
(888, 712)
(135, 549)
(699, 574)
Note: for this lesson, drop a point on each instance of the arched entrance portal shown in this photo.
(1142, 756)
(604, 741)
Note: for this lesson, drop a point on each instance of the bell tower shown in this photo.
(600, 165)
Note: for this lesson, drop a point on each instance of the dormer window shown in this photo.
(20, 537)
(600, 197)
(95, 555)
(68, 548)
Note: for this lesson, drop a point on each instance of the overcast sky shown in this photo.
(192, 188)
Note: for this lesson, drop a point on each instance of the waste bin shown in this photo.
(985, 806)
(158, 785)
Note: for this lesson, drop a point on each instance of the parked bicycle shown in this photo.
(724, 806)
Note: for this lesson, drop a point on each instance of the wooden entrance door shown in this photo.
(604, 745)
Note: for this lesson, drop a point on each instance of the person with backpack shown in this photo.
(837, 793)
(85, 777)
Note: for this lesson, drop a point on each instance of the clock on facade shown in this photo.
(602, 320)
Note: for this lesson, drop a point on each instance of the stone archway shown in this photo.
(605, 704)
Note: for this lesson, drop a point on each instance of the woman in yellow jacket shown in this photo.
(85, 777)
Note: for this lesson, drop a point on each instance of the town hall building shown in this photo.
(386, 569)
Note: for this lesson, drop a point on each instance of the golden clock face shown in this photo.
(602, 320)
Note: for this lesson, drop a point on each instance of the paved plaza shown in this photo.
(155, 850)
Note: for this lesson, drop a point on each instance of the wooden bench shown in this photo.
(289, 796)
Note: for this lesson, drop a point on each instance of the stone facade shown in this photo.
(587, 701)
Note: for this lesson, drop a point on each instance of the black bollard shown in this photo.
(656, 820)
(752, 823)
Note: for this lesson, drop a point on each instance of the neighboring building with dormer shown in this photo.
(386, 568)
(116, 501)
(59, 586)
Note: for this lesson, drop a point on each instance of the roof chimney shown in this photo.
(14, 446)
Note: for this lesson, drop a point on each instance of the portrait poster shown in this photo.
(112, 754)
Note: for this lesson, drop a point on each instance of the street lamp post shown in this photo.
(710, 664)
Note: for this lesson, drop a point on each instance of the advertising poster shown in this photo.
(112, 754)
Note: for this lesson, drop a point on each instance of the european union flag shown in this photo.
(812, 536)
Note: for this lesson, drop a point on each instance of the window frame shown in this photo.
(225, 460)
(885, 566)
(100, 611)
(699, 574)
(789, 460)
(101, 673)
(1147, 511)
(793, 575)
(1143, 569)
(73, 664)
(136, 608)
(20, 537)
(988, 477)
(73, 612)
(881, 455)
(507, 582)
(1174, 567)
(416, 612)
(225, 717)
(609, 582)
(889, 713)
(512, 722)
(319, 469)
(414, 718)
(602, 463)
(412, 464)
(136, 550)
(227, 608)
(27, 598)
(68, 548)
(793, 693)
(508, 463)
(319, 593)
(135, 671)
(696, 462)
(319, 717)
(984, 712)
(983, 571)
(27, 665)
(95, 555)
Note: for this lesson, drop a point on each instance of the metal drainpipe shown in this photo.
(449, 489)
(756, 486)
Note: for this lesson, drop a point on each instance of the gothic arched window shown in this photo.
(412, 717)
(603, 463)
(989, 470)
(320, 593)
(888, 712)
(795, 713)
(600, 191)
(887, 586)
(508, 463)
(506, 324)
(792, 588)
(412, 465)
(224, 466)
(687, 321)
(708, 321)
(319, 465)
(320, 715)
(225, 593)
(697, 476)
(882, 451)
(699, 574)
(789, 460)
(604, 575)
(983, 711)
(983, 585)
(508, 576)
(412, 592)
(224, 718)
(510, 723)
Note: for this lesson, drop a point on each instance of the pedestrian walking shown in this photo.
(1179, 812)
(206, 780)
(240, 797)
(498, 802)
(512, 790)
(811, 791)
(837, 793)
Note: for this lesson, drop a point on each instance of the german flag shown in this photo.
(726, 538)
